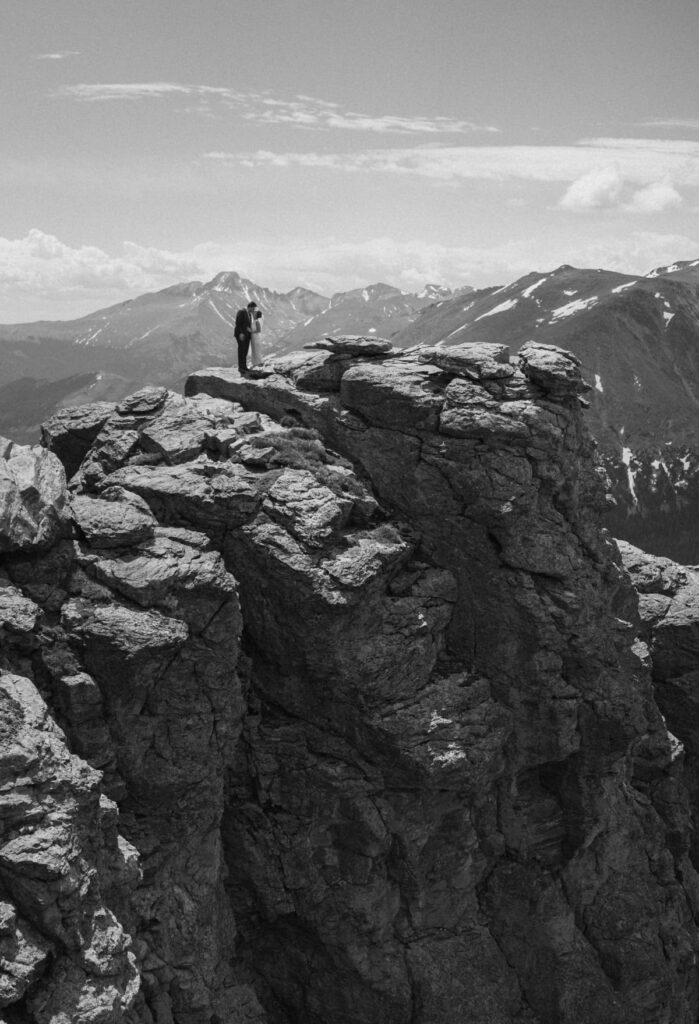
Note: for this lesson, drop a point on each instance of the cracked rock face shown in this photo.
(32, 497)
(63, 953)
(353, 674)
(668, 609)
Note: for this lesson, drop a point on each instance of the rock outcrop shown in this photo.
(348, 650)
(668, 605)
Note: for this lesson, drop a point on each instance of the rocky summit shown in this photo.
(325, 698)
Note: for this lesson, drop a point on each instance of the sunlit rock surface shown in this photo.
(346, 647)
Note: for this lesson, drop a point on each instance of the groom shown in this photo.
(243, 333)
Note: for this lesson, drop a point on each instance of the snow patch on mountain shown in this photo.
(626, 456)
(458, 329)
(220, 314)
(598, 383)
(570, 308)
(532, 287)
(623, 287)
(502, 308)
(434, 291)
(150, 331)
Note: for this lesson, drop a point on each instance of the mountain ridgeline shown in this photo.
(161, 337)
(638, 341)
(637, 338)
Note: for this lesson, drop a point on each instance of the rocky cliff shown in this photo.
(637, 339)
(326, 702)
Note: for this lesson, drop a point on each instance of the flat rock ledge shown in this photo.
(354, 345)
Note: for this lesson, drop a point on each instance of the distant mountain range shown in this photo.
(637, 337)
(638, 340)
(380, 310)
(163, 336)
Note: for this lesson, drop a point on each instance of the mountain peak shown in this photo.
(435, 292)
(226, 281)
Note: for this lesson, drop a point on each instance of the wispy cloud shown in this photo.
(673, 123)
(96, 93)
(632, 175)
(639, 161)
(61, 55)
(307, 112)
(263, 109)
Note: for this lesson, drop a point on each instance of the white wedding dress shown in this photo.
(254, 354)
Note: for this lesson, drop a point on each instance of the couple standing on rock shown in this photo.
(247, 326)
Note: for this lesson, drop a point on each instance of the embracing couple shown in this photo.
(247, 327)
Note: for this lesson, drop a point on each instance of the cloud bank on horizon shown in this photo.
(66, 282)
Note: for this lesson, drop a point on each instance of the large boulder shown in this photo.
(476, 360)
(33, 497)
(70, 432)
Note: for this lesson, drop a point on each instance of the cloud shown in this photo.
(62, 55)
(43, 277)
(654, 198)
(600, 187)
(41, 272)
(667, 147)
(674, 123)
(262, 109)
(126, 91)
(307, 112)
(604, 188)
(601, 162)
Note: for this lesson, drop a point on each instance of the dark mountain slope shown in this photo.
(638, 340)
(26, 403)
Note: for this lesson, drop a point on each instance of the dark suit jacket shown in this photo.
(243, 324)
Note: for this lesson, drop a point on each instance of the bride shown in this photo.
(254, 355)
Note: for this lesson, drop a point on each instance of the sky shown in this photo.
(333, 145)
